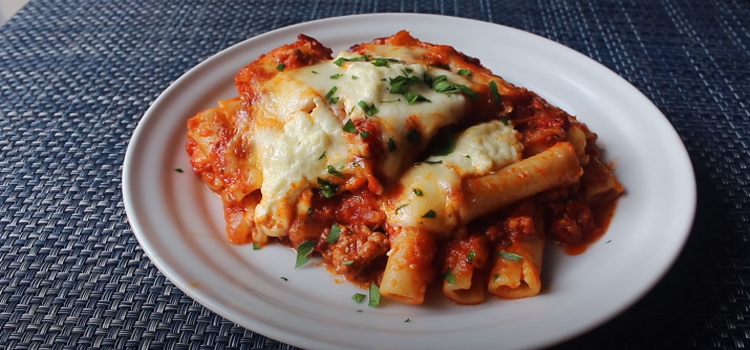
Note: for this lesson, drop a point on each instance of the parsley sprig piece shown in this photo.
(304, 250)
(429, 215)
(374, 295)
(341, 60)
(449, 276)
(370, 109)
(327, 189)
(333, 235)
(334, 172)
(510, 256)
(441, 84)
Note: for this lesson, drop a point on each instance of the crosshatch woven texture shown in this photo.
(77, 75)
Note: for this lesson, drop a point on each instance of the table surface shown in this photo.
(76, 77)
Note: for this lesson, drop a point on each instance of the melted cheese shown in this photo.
(302, 115)
(429, 194)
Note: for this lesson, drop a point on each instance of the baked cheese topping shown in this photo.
(429, 194)
(303, 140)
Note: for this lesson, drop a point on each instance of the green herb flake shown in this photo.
(179, 170)
(333, 235)
(322, 155)
(333, 100)
(470, 257)
(380, 62)
(327, 189)
(256, 246)
(313, 72)
(370, 110)
(284, 278)
(331, 92)
(309, 211)
(495, 277)
(413, 136)
(359, 310)
(358, 297)
(418, 192)
(429, 215)
(510, 256)
(364, 134)
(391, 145)
(304, 250)
(449, 276)
(504, 120)
(336, 76)
(464, 72)
(374, 295)
(341, 60)
(347, 263)
(334, 172)
(354, 77)
(349, 127)
(402, 206)
(495, 94)
(412, 98)
(280, 67)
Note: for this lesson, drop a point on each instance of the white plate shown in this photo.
(179, 223)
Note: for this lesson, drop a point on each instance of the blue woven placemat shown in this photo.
(76, 76)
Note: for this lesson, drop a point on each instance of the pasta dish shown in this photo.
(402, 164)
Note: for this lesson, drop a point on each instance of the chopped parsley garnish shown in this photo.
(470, 257)
(364, 134)
(333, 235)
(309, 211)
(464, 72)
(429, 215)
(374, 295)
(400, 84)
(284, 278)
(495, 94)
(179, 170)
(334, 172)
(347, 263)
(331, 92)
(322, 155)
(370, 110)
(418, 192)
(313, 72)
(341, 60)
(358, 297)
(336, 76)
(402, 206)
(383, 62)
(304, 250)
(510, 256)
(280, 67)
(504, 120)
(333, 100)
(380, 62)
(391, 145)
(449, 276)
(327, 189)
(349, 127)
(413, 136)
(442, 85)
(256, 246)
(412, 98)
(495, 277)
(354, 77)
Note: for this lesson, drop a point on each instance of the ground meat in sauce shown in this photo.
(359, 245)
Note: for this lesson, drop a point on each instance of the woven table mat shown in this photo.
(77, 76)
